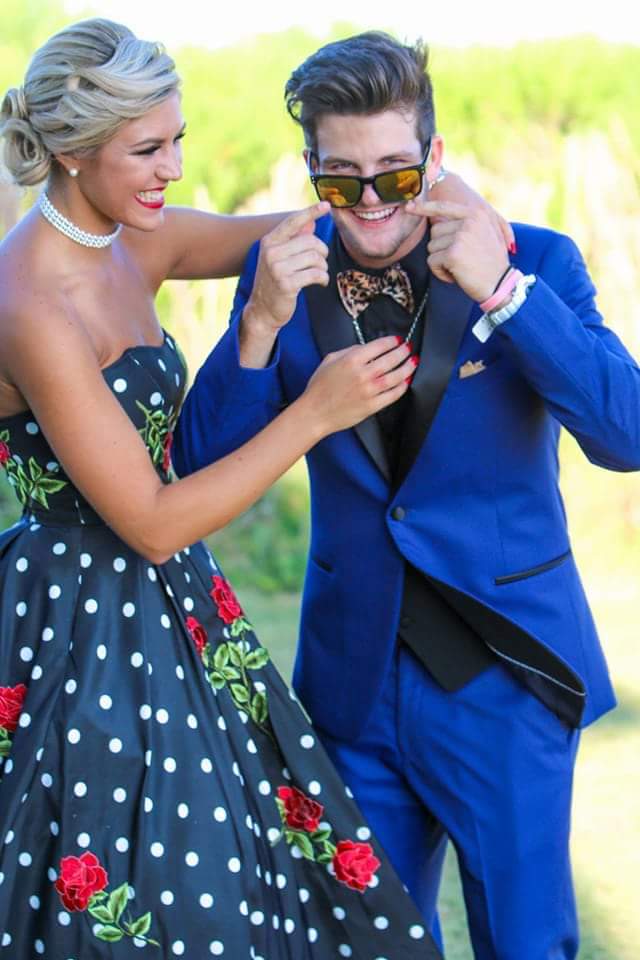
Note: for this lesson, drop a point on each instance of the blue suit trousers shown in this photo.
(490, 768)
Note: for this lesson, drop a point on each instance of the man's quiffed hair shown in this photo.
(365, 74)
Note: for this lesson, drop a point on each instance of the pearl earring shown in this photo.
(73, 171)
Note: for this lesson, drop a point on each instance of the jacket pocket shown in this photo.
(532, 571)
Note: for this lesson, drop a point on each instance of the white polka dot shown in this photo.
(155, 399)
(220, 814)
(59, 548)
(289, 925)
(192, 859)
(151, 573)
(136, 659)
(34, 903)
(188, 604)
(9, 837)
(281, 880)
(32, 428)
(64, 918)
(312, 935)
(21, 608)
(80, 789)
(192, 721)
(8, 766)
(25, 859)
(105, 702)
(205, 765)
(55, 829)
(416, 932)
(162, 715)
(46, 780)
(339, 913)
(164, 620)
(348, 793)
(179, 672)
(55, 591)
(162, 365)
(26, 654)
(264, 787)
(115, 745)
(71, 686)
(273, 834)
(168, 590)
(206, 901)
(39, 945)
(257, 918)
(122, 844)
(177, 948)
(381, 923)
(183, 811)
(119, 795)
(167, 897)
(91, 605)
(148, 757)
(47, 635)
(119, 564)
(216, 948)
(222, 723)
(6, 940)
(120, 385)
(373, 883)
(170, 765)
(22, 564)
(251, 746)
(86, 560)
(307, 741)
(37, 672)
(363, 833)
(244, 908)
(344, 950)
(234, 865)
(73, 736)
(145, 711)
(52, 875)
(129, 609)
(83, 840)
(157, 850)
(275, 921)
(148, 804)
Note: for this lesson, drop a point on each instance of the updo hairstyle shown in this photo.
(81, 87)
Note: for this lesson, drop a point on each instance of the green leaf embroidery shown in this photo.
(300, 840)
(236, 654)
(35, 470)
(140, 926)
(259, 708)
(239, 693)
(217, 680)
(110, 934)
(101, 913)
(221, 658)
(257, 659)
(118, 901)
(230, 673)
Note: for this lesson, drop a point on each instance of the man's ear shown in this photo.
(436, 155)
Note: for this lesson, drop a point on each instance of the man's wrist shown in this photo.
(493, 318)
(256, 337)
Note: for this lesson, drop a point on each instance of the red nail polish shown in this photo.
(410, 345)
(408, 379)
(399, 340)
(415, 360)
(512, 247)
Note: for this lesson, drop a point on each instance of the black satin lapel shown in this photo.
(446, 319)
(333, 330)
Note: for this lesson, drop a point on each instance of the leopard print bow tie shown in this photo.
(358, 289)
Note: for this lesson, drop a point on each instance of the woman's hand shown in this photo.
(351, 385)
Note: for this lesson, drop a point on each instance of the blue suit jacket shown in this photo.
(481, 513)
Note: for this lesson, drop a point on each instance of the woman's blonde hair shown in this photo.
(84, 84)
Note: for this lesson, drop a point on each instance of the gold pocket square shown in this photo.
(470, 368)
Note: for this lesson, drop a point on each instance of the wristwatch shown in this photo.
(489, 321)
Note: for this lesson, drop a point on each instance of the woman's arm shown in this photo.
(54, 367)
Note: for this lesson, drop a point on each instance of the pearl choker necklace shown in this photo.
(60, 222)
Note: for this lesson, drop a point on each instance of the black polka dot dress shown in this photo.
(161, 791)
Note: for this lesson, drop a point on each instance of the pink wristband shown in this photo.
(503, 291)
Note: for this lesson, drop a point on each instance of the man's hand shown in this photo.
(453, 189)
(291, 258)
(466, 245)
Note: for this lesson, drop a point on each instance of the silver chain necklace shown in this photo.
(60, 222)
(418, 314)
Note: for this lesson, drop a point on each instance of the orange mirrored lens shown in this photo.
(399, 185)
(339, 193)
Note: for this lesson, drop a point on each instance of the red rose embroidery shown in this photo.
(198, 633)
(355, 864)
(5, 453)
(79, 878)
(11, 700)
(225, 600)
(166, 452)
(301, 812)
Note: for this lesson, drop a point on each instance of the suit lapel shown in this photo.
(332, 330)
(447, 315)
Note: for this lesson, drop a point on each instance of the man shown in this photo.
(447, 653)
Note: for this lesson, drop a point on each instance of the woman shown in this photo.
(161, 788)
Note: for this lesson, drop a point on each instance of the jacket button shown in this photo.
(398, 513)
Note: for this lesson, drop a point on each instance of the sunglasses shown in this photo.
(396, 186)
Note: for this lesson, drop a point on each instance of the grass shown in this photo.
(606, 813)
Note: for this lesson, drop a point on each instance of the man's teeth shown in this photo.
(150, 196)
(376, 214)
